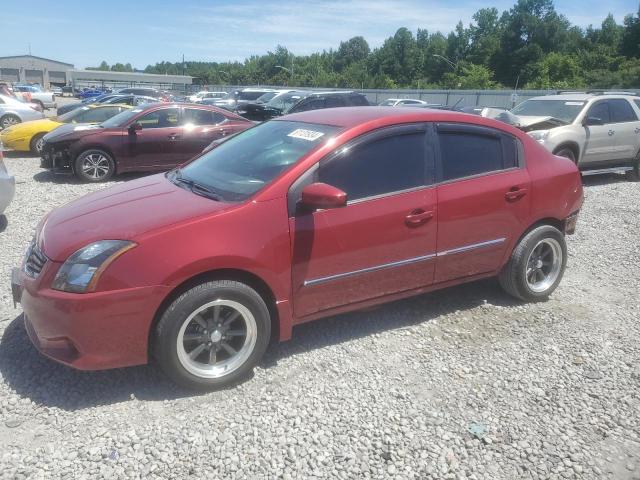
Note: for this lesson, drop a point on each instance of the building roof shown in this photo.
(38, 58)
(128, 76)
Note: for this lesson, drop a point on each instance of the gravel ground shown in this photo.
(462, 383)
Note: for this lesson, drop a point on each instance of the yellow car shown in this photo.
(27, 136)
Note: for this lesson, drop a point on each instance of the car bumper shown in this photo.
(55, 158)
(7, 191)
(92, 331)
(15, 143)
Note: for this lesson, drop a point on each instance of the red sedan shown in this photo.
(153, 137)
(295, 219)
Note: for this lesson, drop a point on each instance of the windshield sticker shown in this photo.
(308, 135)
(576, 104)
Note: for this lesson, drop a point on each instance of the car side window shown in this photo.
(621, 111)
(332, 102)
(600, 110)
(474, 151)
(637, 102)
(310, 104)
(164, 118)
(196, 116)
(380, 166)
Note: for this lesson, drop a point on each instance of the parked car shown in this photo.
(300, 101)
(151, 137)
(599, 132)
(497, 113)
(57, 91)
(14, 111)
(204, 94)
(89, 93)
(237, 98)
(7, 185)
(29, 136)
(296, 219)
(401, 102)
(146, 92)
(67, 89)
(32, 93)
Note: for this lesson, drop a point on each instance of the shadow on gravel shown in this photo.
(4, 223)
(45, 382)
(16, 154)
(47, 176)
(605, 179)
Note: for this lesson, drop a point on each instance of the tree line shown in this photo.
(529, 46)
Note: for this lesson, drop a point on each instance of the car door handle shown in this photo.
(516, 193)
(418, 217)
(610, 132)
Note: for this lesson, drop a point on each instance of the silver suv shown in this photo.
(598, 131)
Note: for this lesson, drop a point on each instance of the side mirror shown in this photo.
(135, 127)
(320, 196)
(592, 121)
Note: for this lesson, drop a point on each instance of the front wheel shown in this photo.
(567, 153)
(536, 265)
(9, 120)
(36, 144)
(94, 166)
(212, 335)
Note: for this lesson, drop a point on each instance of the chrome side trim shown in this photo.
(408, 261)
(474, 246)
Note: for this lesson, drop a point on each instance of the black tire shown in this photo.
(514, 276)
(36, 141)
(634, 175)
(8, 120)
(567, 153)
(165, 337)
(105, 166)
(38, 102)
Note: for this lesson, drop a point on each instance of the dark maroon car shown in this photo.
(152, 137)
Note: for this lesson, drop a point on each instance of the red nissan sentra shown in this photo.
(295, 219)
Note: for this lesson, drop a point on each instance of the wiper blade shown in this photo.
(196, 187)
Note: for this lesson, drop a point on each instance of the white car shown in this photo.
(402, 102)
(198, 97)
(600, 132)
(14, 111)
(35, 94)
(7, 186)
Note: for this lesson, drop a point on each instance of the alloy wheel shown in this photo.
(95, 165)
(217, 339)
(544, 265)
(9, 121)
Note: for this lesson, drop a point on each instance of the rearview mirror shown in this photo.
(134, 127)
(320, 196)
(592, 121)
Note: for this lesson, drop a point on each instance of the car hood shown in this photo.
(72, 131)
(529, 123)
(29, 128)
(122, 212)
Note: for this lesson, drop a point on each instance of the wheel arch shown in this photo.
(239, 275)
(572, 145)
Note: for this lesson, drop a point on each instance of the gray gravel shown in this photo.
(549, 390)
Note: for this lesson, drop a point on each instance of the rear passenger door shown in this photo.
(483, 198)
(201, 127)
(625, 127)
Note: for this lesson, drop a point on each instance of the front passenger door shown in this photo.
(155, 145)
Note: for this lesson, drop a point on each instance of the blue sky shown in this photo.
(142, 32)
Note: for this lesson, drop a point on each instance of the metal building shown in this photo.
(100, 78)
(32, 69)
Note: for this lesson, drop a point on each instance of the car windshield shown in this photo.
(285, 101)
(69, 116)
(565, 110)
(249, 161)
(121, 119)
(266, 97)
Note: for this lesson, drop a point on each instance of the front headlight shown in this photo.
(539, 135)
(82, 270)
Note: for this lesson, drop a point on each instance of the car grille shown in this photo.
(34, 261)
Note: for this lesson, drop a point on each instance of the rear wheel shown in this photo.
(536, 265)
(36, 144)
(94, 166)
(212, 335)
(9, 120)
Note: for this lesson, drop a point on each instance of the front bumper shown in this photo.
(11, 142)
(91, 331)
(55, 158)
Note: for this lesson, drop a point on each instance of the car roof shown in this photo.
(582, 97)
(348, 117)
